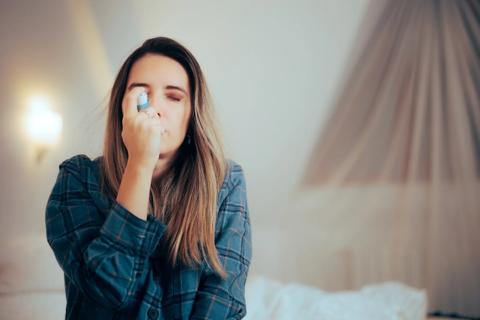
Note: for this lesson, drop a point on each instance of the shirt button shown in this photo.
(152, 313)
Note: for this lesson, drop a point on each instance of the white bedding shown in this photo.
(269, 299)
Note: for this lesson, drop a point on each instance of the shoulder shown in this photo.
(82, 167)
(234, 178)
(79, 161)
(235, 175)
(79, 177)
(234, 184)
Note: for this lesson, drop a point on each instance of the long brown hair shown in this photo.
(185, 198)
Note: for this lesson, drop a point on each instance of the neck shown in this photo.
(161, 167)
(164, 162)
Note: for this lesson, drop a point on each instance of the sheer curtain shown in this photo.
(394, 176)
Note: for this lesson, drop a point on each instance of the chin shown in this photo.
(165, 154)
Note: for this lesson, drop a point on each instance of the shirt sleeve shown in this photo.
(106, 258)
(219, 298)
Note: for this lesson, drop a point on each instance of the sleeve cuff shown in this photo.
(132, 233)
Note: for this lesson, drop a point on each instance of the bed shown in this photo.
(31, 287)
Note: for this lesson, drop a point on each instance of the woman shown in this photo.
(158, 227)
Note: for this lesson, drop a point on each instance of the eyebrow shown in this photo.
(141, 84)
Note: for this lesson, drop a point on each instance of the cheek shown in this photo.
(188, 115)
(180, 122)
(185, 118)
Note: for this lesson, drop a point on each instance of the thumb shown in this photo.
(129, 104)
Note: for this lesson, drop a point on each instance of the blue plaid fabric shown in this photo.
(112, 260)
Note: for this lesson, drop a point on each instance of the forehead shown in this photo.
(158, 70)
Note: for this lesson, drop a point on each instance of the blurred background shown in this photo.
(356, 123)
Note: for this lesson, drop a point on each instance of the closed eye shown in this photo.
(174, 98)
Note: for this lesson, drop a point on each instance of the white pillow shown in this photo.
(269, 299)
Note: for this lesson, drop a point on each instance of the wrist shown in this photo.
(140, 166)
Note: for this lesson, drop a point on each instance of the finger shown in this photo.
(149, 111)
(150, 114)
(155, 121)
(129, 104)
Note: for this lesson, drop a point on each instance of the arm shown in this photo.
(134, 191)
(107, 259)
(225, 299)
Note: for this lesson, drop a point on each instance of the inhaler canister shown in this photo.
(142, 101)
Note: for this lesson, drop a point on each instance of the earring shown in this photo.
(188, 139)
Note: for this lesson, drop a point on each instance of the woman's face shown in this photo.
(166, 84)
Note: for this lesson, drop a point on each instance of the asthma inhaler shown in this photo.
(142, 101)
(142, 104)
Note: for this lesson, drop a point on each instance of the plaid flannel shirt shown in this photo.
(112, 262)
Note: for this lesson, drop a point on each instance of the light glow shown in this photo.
(43, 125)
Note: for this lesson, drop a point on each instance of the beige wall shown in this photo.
(272, 67)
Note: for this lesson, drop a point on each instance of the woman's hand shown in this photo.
(141, 132)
